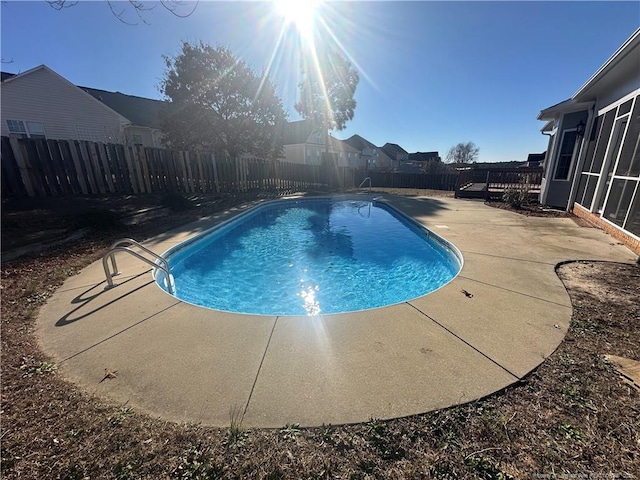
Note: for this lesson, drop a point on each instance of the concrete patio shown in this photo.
(189, 364)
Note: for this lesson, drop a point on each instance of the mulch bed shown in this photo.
(574, 415)
(532, 209)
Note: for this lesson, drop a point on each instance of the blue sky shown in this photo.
(432, 74)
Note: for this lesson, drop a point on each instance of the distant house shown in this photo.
(592, 165)
(424, 157)
(143, 113)
(395, 152)
(373, 158)
(535, 160)
(40, 103)
(305, 144)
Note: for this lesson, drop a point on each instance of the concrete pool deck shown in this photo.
(189, 364)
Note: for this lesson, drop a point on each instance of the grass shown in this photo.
(573, 415)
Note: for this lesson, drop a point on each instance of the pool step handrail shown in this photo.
(367, 179)
(123, 245)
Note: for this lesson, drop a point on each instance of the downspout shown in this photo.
(582, 153)
(547, 165)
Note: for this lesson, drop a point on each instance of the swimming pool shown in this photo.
(311, 257)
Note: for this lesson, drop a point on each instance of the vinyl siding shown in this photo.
(294, 153)
(66, 111)
(150, 137)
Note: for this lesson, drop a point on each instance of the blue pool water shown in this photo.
(311, 257)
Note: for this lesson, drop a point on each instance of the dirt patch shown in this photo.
(532, 209)
(571, 416)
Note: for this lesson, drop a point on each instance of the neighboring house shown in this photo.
(348, 156)
(39, 103)
(396, 152)
(304, 144)
(372, 157)
(592, 165)
(143, 113)
(424, 157)
(534, 160)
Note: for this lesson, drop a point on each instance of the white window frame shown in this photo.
(139, 137)
(19, 123)
(26, 130)
(30, 124)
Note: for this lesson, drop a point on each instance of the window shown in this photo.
(36, 130)
(619, 201)
(137, 139)
(17, 128)
(21, 129)
(629, 162)
(565, 157)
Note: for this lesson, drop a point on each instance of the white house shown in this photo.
(39, 103)
(592, 166)
(142, 113)
(373, 158)
(304, 144)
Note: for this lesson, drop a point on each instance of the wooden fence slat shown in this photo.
(127, 187)
(144, 168)
(69, 166)
(103, 161)
(189, 175)
(93, 168)
(216, 178)
(77, 164)
(59, 167)
(137, 170)
(44, 166)
(133, 177)
(11, 177)
(34, 167)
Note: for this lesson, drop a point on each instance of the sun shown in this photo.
(300, 13)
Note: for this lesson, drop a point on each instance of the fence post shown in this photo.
(487, 196)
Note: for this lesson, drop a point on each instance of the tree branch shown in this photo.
(138, 6)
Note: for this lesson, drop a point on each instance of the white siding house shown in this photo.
(39, 103)
(305, 145)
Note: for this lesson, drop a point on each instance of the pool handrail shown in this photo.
(122, 245)
(365, 181)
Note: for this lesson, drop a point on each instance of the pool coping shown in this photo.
(501, 317)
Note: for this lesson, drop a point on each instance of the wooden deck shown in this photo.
(492, 183)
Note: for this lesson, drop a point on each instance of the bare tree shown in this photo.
(179, 8)
(463, 153)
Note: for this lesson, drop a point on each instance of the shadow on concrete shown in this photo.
(84, 301)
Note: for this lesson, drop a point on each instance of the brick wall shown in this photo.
(594, 219)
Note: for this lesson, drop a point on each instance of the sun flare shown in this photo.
(300, 13)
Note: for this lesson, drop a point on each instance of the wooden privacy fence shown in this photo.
(61, 167)
(432, 181)
(70, 167)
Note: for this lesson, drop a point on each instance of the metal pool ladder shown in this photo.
(368, 179)
(123, 245)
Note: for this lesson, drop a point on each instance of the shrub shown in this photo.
(516, 196)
